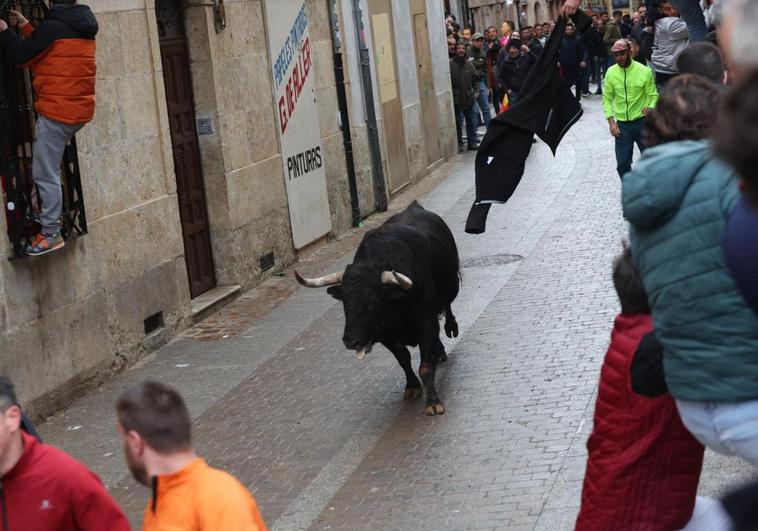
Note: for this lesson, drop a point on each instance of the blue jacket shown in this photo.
(572, 52)
(741, 248)
(677, 200)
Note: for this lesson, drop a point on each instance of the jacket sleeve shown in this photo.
(93, 507)
(608, 35)
(474, 78)
(25, 51)
(650, 89)
(679, 31)
(583, 57)
(608, 97)
(502, 78)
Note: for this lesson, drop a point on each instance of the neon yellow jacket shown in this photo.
(626, 91)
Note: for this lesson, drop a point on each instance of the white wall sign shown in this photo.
(288, 31)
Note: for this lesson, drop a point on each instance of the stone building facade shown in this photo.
(484, 13)
(187, 86)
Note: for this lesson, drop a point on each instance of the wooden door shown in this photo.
(389, 94)
(190, 187)
(425, 76)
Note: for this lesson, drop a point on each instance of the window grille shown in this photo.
(17, 127)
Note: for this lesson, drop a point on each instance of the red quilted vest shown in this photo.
(643, 465)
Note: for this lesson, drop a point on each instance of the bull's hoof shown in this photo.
(451, 328)
(434, 409)
(412, 392)
(442, 358)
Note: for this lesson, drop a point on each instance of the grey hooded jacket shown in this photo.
(671, 37)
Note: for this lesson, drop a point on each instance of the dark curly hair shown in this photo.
(736, 133)
(687, 110)
(628, 283)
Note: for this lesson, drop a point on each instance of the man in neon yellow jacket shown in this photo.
(629, 93)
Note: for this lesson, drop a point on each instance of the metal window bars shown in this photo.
(17, 128)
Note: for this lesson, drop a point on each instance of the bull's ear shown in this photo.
(335, 291)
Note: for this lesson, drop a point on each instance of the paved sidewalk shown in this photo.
(325, 441)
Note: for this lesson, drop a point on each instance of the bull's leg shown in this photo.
(451, 325)
(403, 357)
(429, 356)
(441, 354)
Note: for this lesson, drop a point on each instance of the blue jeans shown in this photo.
(729, 428)
(470, 116)
(691, 13)
(484, 103)
(631, 133)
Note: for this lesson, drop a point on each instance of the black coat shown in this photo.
(535, 46)
(572, 52)
(464, 81)
(595, 44)
(511, 73)
(545, 107)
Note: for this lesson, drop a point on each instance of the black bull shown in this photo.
(404, 276)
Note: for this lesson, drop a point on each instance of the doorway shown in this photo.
(190, 188)
(425, 77)
(389, 94)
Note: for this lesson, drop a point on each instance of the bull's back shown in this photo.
(430, 240)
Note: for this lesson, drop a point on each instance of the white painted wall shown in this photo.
(405, 53)
(352, 60)
(438, 43)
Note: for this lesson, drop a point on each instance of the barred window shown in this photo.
(17, 129)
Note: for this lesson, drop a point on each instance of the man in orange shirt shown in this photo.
(156, 430)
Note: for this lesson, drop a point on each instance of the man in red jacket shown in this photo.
(42, 488)
(60, 52)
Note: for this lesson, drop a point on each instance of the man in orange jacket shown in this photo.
(156, 429)
(60, 52)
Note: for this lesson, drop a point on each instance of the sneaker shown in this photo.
(461, 148)
(42, 244)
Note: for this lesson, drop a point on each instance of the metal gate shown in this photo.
(17, 129)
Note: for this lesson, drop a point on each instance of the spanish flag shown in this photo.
(506, 103)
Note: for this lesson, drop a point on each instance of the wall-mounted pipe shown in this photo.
(347, 140)
(380, 189)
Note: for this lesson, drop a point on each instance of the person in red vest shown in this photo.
(43, 488)
(643, 465)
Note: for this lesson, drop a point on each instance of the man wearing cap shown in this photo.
(629, 93)
(478, 57)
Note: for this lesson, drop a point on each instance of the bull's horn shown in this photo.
(320, 282)
(393, 277)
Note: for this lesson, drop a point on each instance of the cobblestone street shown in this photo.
(325, 441)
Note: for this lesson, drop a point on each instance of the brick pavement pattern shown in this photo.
(325, 441)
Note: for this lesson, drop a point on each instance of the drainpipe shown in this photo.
(380, 190)
(347, 141)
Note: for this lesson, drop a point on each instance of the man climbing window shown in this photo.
(60, 52)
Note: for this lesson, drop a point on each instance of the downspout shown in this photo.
(380, 190)
(347, 141)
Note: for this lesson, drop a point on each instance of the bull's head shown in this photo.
(367, 295)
